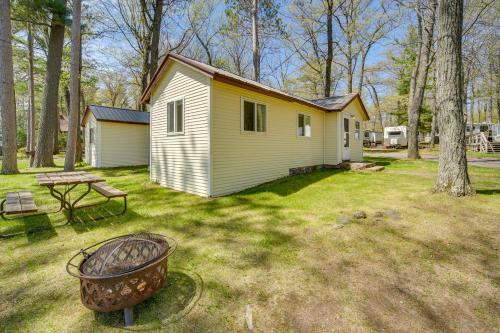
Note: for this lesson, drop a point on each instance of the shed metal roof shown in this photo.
(118, 115)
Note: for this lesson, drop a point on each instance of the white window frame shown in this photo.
(357, 131)
(242, 116)
(297, 125)
(174, 100)
(91, 135)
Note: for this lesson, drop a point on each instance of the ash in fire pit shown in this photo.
(122, 271)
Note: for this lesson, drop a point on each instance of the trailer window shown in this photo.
(395, 133)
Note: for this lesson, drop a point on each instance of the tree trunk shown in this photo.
(49, 116)
(79, 142)
(349, 66)
(56, 132)
(422, 68)
(472, 104)
(79, 139)
(69, 160)
(30, 147)
(7, 95)
(329, 55)
(453, 176)
(255, 41)
(155, 39)
(434, 123)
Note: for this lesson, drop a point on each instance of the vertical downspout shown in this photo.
(340, 120)
(324, 137)
(148, 106)
(210, 110)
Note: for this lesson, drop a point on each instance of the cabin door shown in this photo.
(346, 154)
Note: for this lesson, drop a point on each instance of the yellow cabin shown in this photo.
(214, 133)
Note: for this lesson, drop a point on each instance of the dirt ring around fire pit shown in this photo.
(121, 272)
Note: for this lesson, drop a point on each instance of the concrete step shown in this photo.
(358, 165)
(375, 168)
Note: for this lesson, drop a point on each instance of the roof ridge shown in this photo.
(114, 107)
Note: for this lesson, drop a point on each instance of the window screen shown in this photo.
(248, 116)
(179, 116)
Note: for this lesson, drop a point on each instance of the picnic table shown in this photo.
(67, 182)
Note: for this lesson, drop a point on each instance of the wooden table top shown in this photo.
(67, 178)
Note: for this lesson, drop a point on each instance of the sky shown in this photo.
(105, 50)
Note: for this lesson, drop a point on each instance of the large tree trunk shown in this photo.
(7, 97)
(453, 176)
(69, 160)
(79, 139)
(255, 40)
(49, 116)
(55, 136)
(420, 78)
(329, 54)
(155, 37)
(350, 73)
(30, 146)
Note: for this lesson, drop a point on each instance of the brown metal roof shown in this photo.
(233, 79)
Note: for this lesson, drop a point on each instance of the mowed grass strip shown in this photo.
(428, 263)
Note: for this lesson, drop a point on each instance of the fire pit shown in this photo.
(121, 272)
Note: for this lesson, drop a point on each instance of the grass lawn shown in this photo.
(432, 151)
(430, 264)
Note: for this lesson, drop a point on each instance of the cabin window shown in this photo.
(254, 117)
(357, 128)
(91, 135)
(303, 125)
(175, 117)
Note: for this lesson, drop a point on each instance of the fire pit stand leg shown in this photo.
(129, 316)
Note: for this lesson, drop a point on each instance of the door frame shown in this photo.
(346, 156)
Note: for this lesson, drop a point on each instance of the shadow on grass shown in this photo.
(180, 294)
(384, 161)
(35, 228)
(90, 218)
(488, 192)
(292, 184)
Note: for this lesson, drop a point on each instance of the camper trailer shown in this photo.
(395, 137)
(372, 138)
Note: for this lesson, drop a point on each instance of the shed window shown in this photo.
(304, 125)
(91, 135)
(175, 117)
(357, 128)
(254, 117)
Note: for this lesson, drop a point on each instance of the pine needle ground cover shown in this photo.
(418, 262)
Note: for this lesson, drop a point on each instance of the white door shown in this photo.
(346, 154)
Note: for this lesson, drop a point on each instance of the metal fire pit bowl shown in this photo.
(121, 272)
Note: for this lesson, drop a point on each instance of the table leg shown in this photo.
(73, 205)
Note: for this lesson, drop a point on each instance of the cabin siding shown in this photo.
(123, 144)
(181, 162)
(332, 123)
(92, 150)
(242, 160)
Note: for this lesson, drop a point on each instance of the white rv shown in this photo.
(395, 137)
(372, 138)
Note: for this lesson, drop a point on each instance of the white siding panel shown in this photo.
(123, 144)
(181, 161)
(332, 156)
(91, 152)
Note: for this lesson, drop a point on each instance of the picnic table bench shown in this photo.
(16, 203)
(110, 192)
